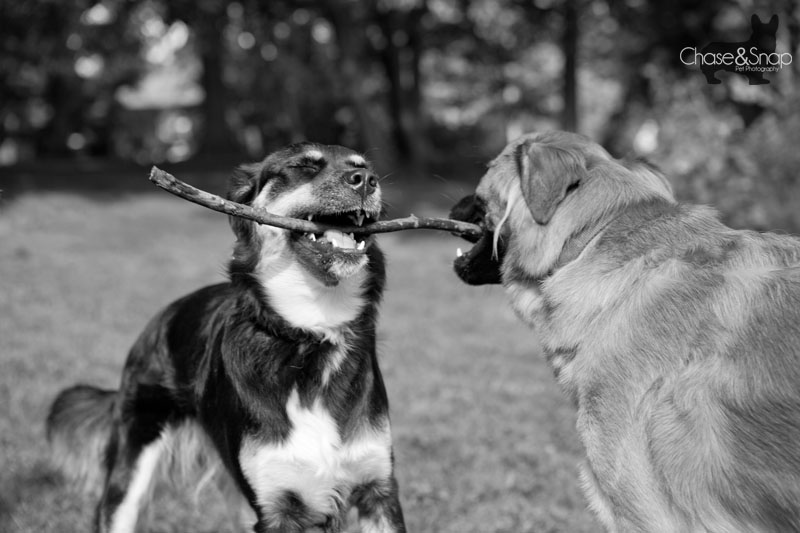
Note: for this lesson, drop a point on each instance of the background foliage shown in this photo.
(422, 85)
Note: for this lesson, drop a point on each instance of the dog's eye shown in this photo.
(572, 187)
(308, 164)
(307, 167)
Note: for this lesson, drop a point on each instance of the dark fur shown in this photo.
(224, 358)
(762, 39)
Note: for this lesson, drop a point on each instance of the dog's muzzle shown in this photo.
(363, 182)
(478, 265)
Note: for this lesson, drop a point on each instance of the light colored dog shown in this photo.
(677, 337)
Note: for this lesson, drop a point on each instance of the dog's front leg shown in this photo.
(378, 506)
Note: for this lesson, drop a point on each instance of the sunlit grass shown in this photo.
(484, 440)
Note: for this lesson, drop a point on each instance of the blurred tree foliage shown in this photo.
(419, 84)
(51, 55)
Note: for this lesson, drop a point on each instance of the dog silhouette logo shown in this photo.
(751, 58)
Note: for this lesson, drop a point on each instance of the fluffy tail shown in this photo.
(78, 430)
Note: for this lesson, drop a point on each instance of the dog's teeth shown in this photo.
(352, 236)
(459, 253)
(360, 246)
(312, 236)
(360, 218)
(333, 243)
(310, 217)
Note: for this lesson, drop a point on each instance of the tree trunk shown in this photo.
(618, 135)
(413, 121)
(569, 45)
(793, 25)
(65, 100)
(390, 58)
(351, 39)
(216, 137)
(401, 65)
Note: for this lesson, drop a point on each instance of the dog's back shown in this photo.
(741, 400)
(677, 337)
(703, 364)
(165, 373)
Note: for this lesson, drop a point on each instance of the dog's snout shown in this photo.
(362, 181)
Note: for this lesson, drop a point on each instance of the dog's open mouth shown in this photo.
(481, 263)
(334, 255)
(333, 239)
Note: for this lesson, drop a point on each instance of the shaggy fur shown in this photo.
(270, 380)
(677, 337)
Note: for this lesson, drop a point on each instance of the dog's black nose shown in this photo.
(363, 181)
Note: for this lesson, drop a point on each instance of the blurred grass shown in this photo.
(484, 441)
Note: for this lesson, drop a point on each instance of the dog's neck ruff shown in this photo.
(581, 239)
(576, 244)
(307, 304)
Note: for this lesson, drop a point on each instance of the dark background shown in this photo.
(93, 94)
(425, 87)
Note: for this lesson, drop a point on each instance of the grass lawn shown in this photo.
(484, 440)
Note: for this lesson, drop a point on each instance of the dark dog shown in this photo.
(762, 41)
(677, 337)
(276, 370)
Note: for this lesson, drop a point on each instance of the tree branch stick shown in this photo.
(173, 185)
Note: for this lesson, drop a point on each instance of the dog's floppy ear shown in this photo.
(546, 172)
(244, 183)
(243, 189)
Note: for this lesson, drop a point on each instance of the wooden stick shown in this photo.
(171, 184)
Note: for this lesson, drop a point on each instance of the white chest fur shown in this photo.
(308, 304)
(304, 301)
(314, 462)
